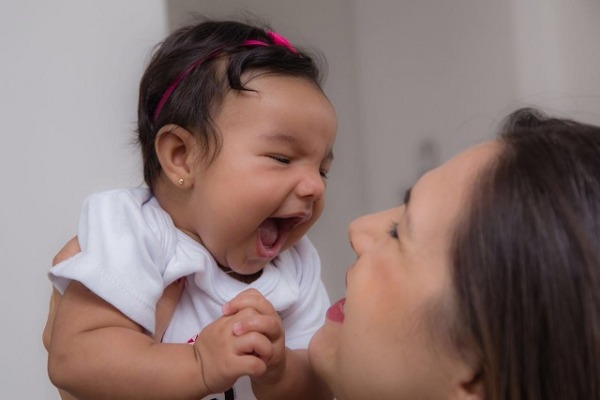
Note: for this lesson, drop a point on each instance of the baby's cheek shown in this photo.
(297, 234)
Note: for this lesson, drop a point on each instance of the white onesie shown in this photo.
(131, 251)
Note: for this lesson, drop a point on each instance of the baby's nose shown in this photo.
(312, 185)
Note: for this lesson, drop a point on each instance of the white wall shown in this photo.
(442, 73)
(558, 57)
(413, 83)
(68, 77)
(432, 74)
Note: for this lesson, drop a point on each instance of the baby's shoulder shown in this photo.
(135, 195)
(118, 201)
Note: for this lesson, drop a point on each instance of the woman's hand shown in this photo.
(68, 251)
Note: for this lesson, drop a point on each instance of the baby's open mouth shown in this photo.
(273, 232)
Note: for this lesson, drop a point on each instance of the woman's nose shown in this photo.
(366, 230)
(361, 233)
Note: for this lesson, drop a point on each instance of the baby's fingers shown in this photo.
(256, 345)
(252, 366)
(267, 325)
(250, 298)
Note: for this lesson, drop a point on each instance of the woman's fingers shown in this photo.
(166, 307)
(69, 250)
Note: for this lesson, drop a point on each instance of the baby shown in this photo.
(237, 139)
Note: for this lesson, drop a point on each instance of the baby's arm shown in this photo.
(97, 352)
(288, 374)
(114, 368)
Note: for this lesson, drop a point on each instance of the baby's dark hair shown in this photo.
(195, 67)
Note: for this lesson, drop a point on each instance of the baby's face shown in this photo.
(266, 187)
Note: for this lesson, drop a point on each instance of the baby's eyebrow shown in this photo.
(291, 139)
(280, 137)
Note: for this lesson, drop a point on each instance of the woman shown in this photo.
(485, 283)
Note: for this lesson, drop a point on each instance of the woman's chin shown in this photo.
(322, 351)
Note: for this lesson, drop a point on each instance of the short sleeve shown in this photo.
(122, 259)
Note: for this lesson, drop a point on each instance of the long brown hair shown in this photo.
(527, 262)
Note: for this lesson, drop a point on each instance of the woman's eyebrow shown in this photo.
(406, 215)
(407, 196)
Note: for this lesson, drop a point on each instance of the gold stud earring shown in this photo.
(180, 181)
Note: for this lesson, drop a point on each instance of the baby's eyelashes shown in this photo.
(281, 159)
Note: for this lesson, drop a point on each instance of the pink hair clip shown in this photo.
(277, 40)
(173, 86)
(281, 41)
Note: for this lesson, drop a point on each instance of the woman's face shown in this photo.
(387, 340)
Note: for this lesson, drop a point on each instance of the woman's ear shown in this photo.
(176, 151)
(470, 385)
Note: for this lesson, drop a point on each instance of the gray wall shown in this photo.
(413, 83)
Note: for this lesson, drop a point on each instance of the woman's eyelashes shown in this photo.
(393, 231)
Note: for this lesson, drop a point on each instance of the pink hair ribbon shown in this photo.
(173, 86)
(277, 40)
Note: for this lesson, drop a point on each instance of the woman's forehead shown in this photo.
(438, 198)
(459, 173)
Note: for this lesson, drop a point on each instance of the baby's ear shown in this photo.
(176, 149)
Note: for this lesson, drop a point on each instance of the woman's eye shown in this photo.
(393, 232)
(323, 173)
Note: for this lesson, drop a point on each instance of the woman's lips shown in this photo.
(335, 313)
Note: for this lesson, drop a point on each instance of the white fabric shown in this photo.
(131, 251)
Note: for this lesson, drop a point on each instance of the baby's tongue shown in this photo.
(268, 232)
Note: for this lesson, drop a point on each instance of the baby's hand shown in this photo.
(224, 356)
(256, 318)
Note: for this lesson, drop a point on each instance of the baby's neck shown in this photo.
(171, 199)
(239, 277)
(174, 202)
